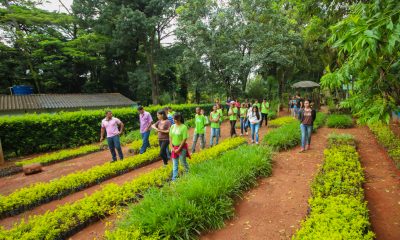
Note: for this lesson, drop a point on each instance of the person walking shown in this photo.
(145, 125)
(243, 119)
(162, 127)
(110, 125)
(257, 104)
(221, 116)
(264, 112)
(215, 126)
(200, 122)
(254, 120)
(178, 136)
(205, 127)
(232, 113)
(291, 106)
(306, 117)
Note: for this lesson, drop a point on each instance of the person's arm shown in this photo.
(313, 114)
(102, 134)
(121, 124)
(300, 117)
(165, 131)
(150, 122)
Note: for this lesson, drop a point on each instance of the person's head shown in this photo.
(202, 111)
(141, 109)
(215, 107)
(218, 106)
(264, 100)
(198, 110)
(178, 118)
(255, 108)
(108, 114)
(256, 101)
(306, 103)
(244, 105)
(232, 103)
(161, 115)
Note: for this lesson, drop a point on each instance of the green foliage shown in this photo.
(341, 139)
(319, 120)
(339, 121)
(281, 121)
(195, 204)
(388, 139)
(136, 145)
(338, 210)
(25, 134)
(65, 219)
(284, 138)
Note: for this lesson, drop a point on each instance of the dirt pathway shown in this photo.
(275, 207)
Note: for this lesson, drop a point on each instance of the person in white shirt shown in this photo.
(110, 125)
(254, 119)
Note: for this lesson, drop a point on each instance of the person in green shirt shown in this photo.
(264, 112)
(243, 119)
(221, 115)
(179, 134)
(232, 113)
(256, 103)
(205, 127)
(215, 125)
(200, 121)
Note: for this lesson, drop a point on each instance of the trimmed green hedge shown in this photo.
(338, 209)
(33, 133)
(195, 203)
(339, 121)
(388, 139)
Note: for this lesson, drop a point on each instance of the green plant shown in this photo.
(283, 138)
(388, 139)
(280, 121)
(195, 204)
(339, 121)
(320, 120)
(341, 139)
(136, 145)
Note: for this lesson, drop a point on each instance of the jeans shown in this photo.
(146, 143)
(195, 137)
(254, 130)
(214, 133)
(264, 117)
(164, 151)
(113, 142)
(175, 164)
(306, 131)
(243, 125)
(296, 111)
(233, 129)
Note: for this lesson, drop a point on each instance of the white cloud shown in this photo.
(55, 5)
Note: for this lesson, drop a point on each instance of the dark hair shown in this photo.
(257, 113)
(140, 108)
(107, 111)
(163, 114)
(179, 117)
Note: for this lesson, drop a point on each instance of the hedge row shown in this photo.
(32, 133)
(195, 204)
(338, 210)
(67, 219)
(339, 121)
(388, 139)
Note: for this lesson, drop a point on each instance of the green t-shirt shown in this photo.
(200, 122)
(264, 107)
(233, 117)
(243, 112)
(214, 116)
(221, 114)
(178, 134)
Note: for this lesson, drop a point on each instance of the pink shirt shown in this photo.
(111, 126)
(145, 121)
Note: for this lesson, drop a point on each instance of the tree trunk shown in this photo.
(1, 155)
(155, 93)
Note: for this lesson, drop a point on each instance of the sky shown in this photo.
(54, 5)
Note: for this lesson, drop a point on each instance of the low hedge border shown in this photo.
(195, 204)
(281, 121)
(388, 139)
(339, 121)
(338, 209)
(68, 219)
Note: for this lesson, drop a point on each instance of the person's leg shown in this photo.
(175, 164)
(241, 126)
(256, 128)
(309, 132)
(218, 133)
(234, 128)
(252, 127)
(117, 145)
(262, 118)
(202, 141)
(247, 126)
(303, 136)
(212, 134)
(112, 148)
(182, 159)
(266, 119)
(163, 151)
(145, 142)
(230, 122)
(195, 137)
(205, 136)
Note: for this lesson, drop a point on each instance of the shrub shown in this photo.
(341, 139)
(283, 138)
(319, 120)
(280, 122)
(339, 121)
(388, 139)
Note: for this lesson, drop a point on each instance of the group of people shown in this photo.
(173, 133)
(302, 110)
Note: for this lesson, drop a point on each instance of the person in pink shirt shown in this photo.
(110, 125)
(145, 125)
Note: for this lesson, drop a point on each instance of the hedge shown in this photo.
(339, 121)
(195, 204)
(67, 219)
(33, 133)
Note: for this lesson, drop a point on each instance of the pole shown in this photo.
(1, 155)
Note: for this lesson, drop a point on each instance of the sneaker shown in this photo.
(308, 147)
(257, 143)
(302, 150)
(252, 141)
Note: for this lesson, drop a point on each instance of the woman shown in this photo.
(179, 134)
(205, 127)
(254, 119)
(243, 119)
(306, 117)
(232, 112)
(215, 125)
(162, 127)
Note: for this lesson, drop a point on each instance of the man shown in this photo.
(145, 124)
(298, 105)
(200, 123)
(110, 124)
(232, 113)
(264, 112)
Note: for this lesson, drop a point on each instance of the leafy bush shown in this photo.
(136, 145)
(388, 139)
(33, 133)
(66, 219)
(285, 137)
(338, 210)
(339, 121)
(341, 139)
(280, 121)
(319, 120)
(195, 204)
